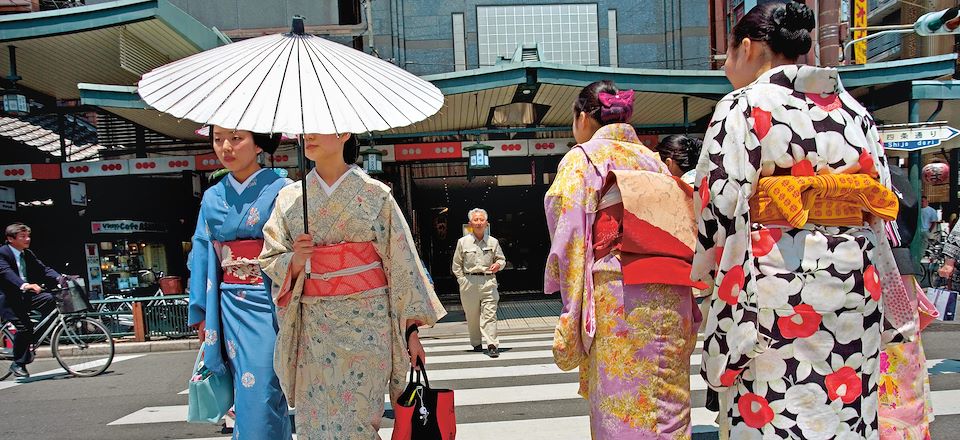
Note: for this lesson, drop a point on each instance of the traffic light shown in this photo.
(944, 22)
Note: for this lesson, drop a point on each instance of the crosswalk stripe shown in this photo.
(452, 350)
(466, 341)
(154, 414)
(61, 372)
(427, 341)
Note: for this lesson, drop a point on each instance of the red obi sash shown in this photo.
(238, 259)
(647, 218)
(344, 269)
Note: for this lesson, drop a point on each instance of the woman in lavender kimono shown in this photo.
(228, 298)
(793, 193)
(350, 293)
(631, 341)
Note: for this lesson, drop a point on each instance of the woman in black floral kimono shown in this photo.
(793, 191)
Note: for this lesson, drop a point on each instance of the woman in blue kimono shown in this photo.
(228, 298)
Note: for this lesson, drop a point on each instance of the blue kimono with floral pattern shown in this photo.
(241, 326)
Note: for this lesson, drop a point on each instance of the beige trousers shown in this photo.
(479, 296)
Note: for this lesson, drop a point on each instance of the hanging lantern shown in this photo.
(479, 156)
(936, 173)
(14, 103)
(372, 162)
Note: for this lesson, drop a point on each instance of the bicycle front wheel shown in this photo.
(6, 351)
(83, 346)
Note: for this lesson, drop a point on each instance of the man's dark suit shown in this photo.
(15, 305)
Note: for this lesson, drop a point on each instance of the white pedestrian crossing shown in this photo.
(524, 375)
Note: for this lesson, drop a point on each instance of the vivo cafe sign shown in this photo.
(125, 227)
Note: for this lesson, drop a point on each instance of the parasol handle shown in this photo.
(303, 182)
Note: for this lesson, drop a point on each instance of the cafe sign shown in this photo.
(125, 227)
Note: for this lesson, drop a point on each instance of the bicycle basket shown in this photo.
(72, 297)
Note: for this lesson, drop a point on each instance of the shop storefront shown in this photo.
(128, 259)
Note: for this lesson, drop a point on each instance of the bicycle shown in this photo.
(81, 345)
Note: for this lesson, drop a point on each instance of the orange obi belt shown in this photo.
(238, 259)
(344, 269)
(647, 218)
(827, 200)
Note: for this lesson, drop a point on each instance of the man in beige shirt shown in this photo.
(475, 263)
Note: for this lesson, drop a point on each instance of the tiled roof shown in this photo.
(42, 133)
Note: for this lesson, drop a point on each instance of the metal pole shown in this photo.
(915, 158)
(686, 115)
(828, 33)
(63, 135)
(882, 28)
(303, 181)
(846, 47)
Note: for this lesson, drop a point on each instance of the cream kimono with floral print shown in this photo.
(337, 356)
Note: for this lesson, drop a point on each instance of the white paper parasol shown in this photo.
(290, 83)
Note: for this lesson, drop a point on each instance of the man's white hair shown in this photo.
(477, 210)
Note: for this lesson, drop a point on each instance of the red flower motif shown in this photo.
(719, 254)
(844, 384)
(802, 168)
(829, 103)
(871, 282)
(764, 240)
(730, 286)
(755, 410)
(866, 164)
(762, 121)
(729, 376)
(704, 193)
(803, 323)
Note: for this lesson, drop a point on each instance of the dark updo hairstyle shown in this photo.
(351, 150)
(785, 27)
(683, 150)
(267, 142)
(589, 102)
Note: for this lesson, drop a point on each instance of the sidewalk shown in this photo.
(525, 316)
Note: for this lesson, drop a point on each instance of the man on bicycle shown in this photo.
(21, 274)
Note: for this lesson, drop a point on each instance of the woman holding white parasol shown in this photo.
(350, 288)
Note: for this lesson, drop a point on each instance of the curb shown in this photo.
(122, 347)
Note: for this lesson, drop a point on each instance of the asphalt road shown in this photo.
(61, 407)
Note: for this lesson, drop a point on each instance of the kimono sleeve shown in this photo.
(277, 254)
(412, 294)
(566, 263)
(726, 176)
(198, 261)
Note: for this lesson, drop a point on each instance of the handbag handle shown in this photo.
(423, 369)
(196, 364)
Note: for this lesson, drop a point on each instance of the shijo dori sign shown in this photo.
(912, 137)
(125, 227)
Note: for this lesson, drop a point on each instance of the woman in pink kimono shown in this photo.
(632, 341)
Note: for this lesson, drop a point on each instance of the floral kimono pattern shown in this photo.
(337, 356)
(793, 333)
(632, 343)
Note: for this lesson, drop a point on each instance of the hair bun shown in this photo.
(798, 17)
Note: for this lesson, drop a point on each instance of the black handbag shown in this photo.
(424, 413)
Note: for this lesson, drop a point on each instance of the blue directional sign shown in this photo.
(916, 137)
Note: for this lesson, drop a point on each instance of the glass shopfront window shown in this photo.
(131, 267)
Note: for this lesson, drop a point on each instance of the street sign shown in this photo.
(913, 138)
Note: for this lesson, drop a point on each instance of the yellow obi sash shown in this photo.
(828, 200)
